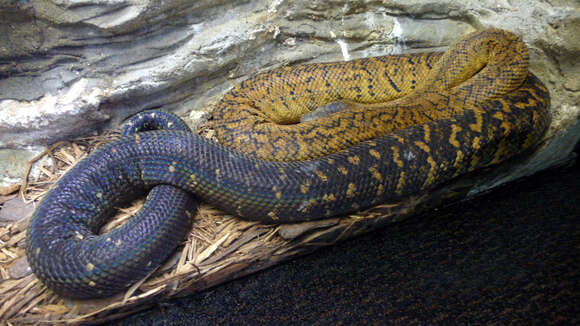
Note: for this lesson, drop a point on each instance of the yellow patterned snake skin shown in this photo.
(261, 116)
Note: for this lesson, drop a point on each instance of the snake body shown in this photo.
(466, 117)
(260, 116)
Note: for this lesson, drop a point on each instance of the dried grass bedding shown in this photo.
(219, 247)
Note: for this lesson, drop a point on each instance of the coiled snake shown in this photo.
(413, 122)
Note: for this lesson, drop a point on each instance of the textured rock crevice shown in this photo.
(70, 68)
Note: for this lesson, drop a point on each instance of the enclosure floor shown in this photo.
(510, 256)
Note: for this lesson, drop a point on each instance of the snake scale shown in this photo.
(412, 122)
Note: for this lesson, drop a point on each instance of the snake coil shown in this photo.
(413, 122)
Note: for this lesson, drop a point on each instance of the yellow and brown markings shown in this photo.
(375, 154)
(476, 143)
(396, 156)
(455, 129)
(321, 175)
(342, 170)
(374, 170)
(305, 186)
(401, 183)
(427, 134)
(398, 138)
(354, 160)
(328, 198)
(432, 174)
(506, 125)
(459, 157)
(503, 151)
(351, 190)
(380, 190)
(423, 146)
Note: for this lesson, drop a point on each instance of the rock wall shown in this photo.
(74, 67)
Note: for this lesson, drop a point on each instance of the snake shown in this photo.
(408, 124)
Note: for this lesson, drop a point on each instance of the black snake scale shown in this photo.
(67, 255)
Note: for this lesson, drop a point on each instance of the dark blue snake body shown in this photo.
(65, 252)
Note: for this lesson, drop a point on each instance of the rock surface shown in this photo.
(14, 210)
(74, 67)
